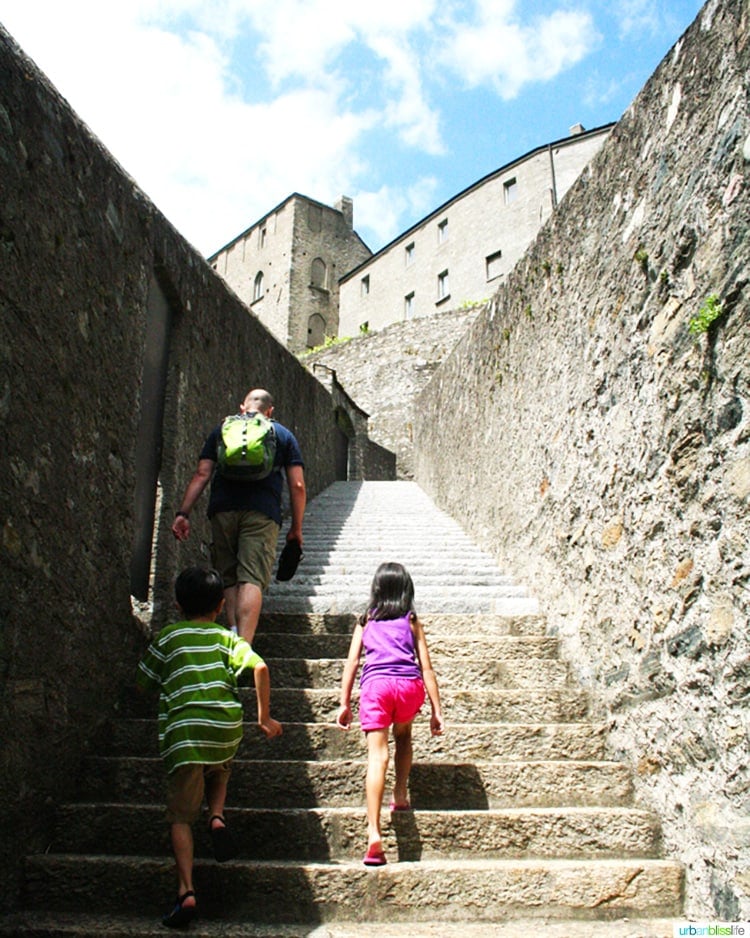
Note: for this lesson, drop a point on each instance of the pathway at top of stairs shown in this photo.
(352, 527)
(520, 824)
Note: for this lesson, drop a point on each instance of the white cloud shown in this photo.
(409, 111)
(249, 158)
(160, 82)
(166, 106)
(637, 17)
(499, 50)
(387, 211)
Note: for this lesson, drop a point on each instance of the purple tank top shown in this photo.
(389, 650)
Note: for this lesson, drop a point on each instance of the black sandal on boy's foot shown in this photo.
(181, 915)
(221, 840)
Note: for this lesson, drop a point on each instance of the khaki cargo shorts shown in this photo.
(244, 547)
(186, 787)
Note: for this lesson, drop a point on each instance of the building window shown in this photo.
(510, 190)
(409, 306)
(258, 286)
(314, 217)
(262, 237)
(493, 265)
(443, 286)
(319, 274)
(316, 330)
(364, 287)
(443, 231)
(409, 254)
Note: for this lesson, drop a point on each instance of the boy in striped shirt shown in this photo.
(195, 664)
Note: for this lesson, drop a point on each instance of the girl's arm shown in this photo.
(344, 716)
(428, 676)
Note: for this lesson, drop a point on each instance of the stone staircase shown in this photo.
(521, 825)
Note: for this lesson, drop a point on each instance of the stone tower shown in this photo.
(286, 267)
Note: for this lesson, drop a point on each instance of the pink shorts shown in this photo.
(384, 701)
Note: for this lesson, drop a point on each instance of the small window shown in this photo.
(258, 286)
(409, 254)
(443, 231)
(316, 330)
(409, 306)
(365, 285)
(319, 274)
(493, 265)
(443, 286)
(314, 217)
(262, 237)
(510, 190)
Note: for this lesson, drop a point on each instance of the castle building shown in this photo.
(460, 253)
(287, 266)
(306, 274)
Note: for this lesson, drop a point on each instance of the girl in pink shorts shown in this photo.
(396, 673)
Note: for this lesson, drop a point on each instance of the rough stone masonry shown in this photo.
(607, 446)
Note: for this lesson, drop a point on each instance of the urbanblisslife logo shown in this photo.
(701, 929)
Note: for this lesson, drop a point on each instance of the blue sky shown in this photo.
(219, 110)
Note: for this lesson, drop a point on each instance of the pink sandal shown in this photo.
(375, 855)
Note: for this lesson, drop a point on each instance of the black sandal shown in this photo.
(289, 561)
(181, 915)
(221, 840)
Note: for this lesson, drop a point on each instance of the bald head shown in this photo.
(258, 401)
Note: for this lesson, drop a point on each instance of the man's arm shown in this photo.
(295, 478)
(194, 490)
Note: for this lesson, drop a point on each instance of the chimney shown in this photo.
(577, 129)
(346, 206)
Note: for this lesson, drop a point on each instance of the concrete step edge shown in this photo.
(57, 925)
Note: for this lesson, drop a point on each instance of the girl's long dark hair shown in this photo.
(391, 593)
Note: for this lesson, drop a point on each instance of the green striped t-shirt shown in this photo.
(195, 665)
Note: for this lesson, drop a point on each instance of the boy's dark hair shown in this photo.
(391, 594)
(198, 591)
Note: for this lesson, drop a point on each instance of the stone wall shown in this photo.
(606, 449)
(115, 365)
(385, 371)
(358, 458)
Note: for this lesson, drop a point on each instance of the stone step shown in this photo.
(505, 648)
(436, 624)
(441, 589)
(527, 705)
(488, 671)
(427, 566)
(77, 925)
(320, 834)
(335, 645)
(510, 742)
(432, 785)
(434, 891)
(451, 602)
(495, 706)
(356, 575)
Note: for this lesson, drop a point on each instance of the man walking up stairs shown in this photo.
(519, 825)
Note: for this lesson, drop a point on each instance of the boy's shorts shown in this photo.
(244, 547)
(186, 787)
(384, 701)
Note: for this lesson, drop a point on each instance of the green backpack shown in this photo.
(247, 447)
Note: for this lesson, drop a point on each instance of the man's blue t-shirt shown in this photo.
(263, 495)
